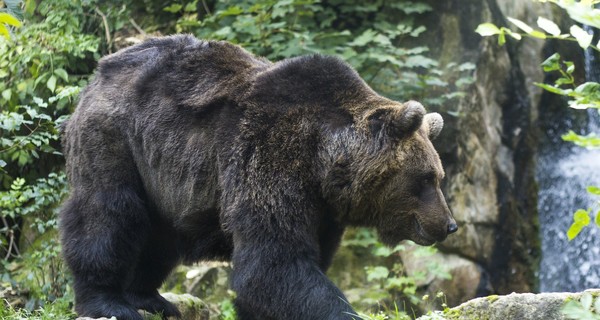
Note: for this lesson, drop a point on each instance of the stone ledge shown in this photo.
(523, 306)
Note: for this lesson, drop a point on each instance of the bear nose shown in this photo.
(452, 228)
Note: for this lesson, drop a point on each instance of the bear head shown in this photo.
(387, 174)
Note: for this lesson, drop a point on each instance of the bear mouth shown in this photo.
(424, 238)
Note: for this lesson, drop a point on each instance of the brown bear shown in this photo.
(183, 150)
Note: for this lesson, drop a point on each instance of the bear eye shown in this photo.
(423, 183)
(428, 179)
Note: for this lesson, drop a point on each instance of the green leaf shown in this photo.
(4, 32)
(595, 191)
(552, 63)
(581, 218)
(231, 11)
(410, 7)
(588, 141)
(487, 29)
(574, 310)
(61, 73)
(513, 34)
(382, 252)
(521, 25)
(570, 67)
(538, 34)
(501, 39)
(583, 37)
(174, 8)
(467, 66)
(551, 88)
(416, 32)
(581, 11)
(574, 230)
(40, 102)
(9, 19)
(51, 84)
(382, 40)
(377, 272)
(586, 300)
(30, 6)
(190, 7)
(548, 26)
(7, 94)
(366, 37)
(589, 88)
(23, 159)
(32, 113)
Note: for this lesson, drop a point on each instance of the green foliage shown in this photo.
(581, 218)
(42, 68)
(41, 72)
(395, 315)
(590, 140)
(583, 12)
(389, 284)
(227, 310)
(59, 309)
(583, 96)
(371, 36)
(587, 308)
(7, 19)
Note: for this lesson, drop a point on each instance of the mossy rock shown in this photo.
(522, 306)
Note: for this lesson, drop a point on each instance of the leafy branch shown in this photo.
(10, 20)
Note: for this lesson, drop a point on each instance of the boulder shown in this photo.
(522, 306)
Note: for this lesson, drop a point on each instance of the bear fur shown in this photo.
(183, 150)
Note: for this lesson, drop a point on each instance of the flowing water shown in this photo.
(563, 173)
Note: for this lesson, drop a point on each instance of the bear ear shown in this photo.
(434, 123)
(396, 121)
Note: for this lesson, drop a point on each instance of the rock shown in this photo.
(467, 277)
(522, 306)
(191, 308)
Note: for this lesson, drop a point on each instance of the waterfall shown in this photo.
(563, 173)
(592, 69)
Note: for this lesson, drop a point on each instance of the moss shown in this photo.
(493, 298)
(594, 294)
(453, 313)
(469, 312)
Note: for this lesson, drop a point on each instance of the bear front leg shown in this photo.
(102, 232)
(275, 281)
